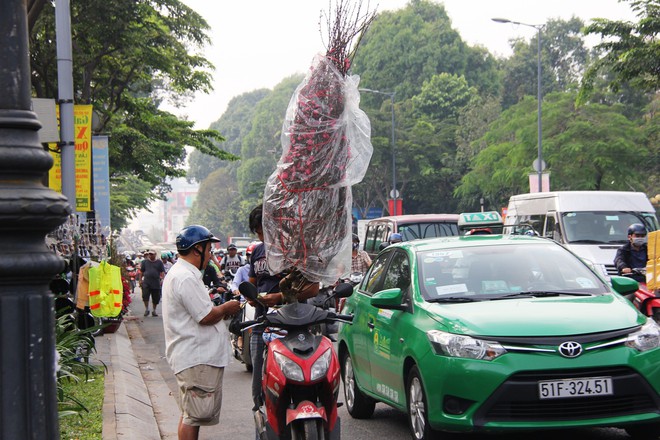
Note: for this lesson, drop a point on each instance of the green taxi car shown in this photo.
(492, 333)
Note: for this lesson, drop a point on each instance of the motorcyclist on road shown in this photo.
(243, 272)
(232, 260)
(634, 253)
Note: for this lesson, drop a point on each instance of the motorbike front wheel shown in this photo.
(307, 430)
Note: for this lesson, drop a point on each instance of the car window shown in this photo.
(412, 231)
(374, 278)
(398, 273)
(501, 270)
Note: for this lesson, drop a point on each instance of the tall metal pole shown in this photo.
(65, 92)
(538, 98)
(393, 159)
(28, 211)
(539, 155)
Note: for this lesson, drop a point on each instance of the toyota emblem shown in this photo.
(570, 349)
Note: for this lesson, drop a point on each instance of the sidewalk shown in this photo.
(127, 409)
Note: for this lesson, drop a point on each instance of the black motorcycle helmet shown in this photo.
(637, 228)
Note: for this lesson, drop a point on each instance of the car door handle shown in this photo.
(371, 325)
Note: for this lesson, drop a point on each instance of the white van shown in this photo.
(592, 224)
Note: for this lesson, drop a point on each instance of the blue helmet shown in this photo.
(191, 235)
(395, 237)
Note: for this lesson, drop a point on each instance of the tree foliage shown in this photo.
(235, 124)
(128, 57)
(630, 51)
(586, 148)
(564, 57)
(404, 48)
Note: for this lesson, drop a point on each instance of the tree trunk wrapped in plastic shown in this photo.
(308, 201)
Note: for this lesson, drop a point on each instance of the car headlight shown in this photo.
(321, 365)
(449, 344)
(290, 369)
(646, 338)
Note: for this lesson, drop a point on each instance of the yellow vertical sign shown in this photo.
(55, 172)
(82, 118)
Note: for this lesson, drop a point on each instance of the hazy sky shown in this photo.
(257, 43)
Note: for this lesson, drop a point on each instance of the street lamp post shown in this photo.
(539, 27)
(394, 192)
(28, 211)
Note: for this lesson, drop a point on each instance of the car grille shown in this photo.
(516, 400)
(611, 269)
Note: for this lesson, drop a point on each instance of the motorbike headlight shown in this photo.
(290, 369)
(646, 338)
(462, 346)
(321, 365)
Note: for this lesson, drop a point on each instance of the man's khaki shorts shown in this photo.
(200, 394)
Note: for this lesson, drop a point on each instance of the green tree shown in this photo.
(586, 148)
(630, 51)
(128, 57)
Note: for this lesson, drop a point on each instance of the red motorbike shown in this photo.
(132, 273)
(646, 300)
(301, 373)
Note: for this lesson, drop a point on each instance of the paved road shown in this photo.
(236, 421)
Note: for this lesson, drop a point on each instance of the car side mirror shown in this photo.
(388, 299)
(623, 285)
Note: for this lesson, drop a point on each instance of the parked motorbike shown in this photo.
(301, 372)
(646, 300)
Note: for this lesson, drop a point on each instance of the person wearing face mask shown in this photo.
(634, 253)
(197, 343)
(360, 260)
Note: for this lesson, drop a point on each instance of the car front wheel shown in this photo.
(359, 405)
(417, 407)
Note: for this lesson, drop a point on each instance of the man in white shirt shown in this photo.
(197, 342)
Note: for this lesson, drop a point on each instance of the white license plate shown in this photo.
(583, 387)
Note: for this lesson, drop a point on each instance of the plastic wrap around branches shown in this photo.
(326, 148)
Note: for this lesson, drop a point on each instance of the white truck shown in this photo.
(592, 224)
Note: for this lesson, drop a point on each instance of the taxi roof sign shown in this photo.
(471, 220)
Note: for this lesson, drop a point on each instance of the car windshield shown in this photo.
(413, 231)
(588, 227)
(506, 271)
